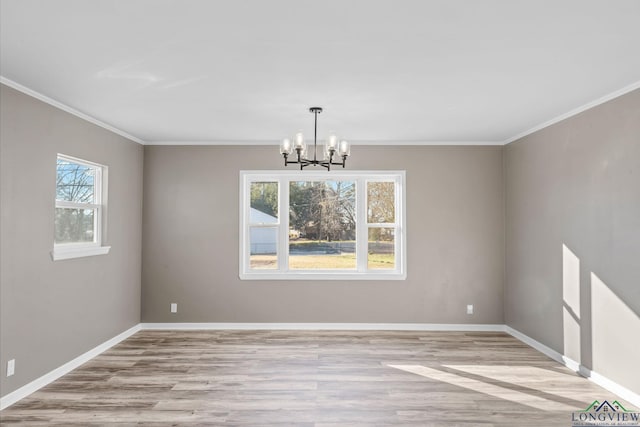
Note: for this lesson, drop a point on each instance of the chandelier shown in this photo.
(331, 152)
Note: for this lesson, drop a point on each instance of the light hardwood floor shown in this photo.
(313, 378)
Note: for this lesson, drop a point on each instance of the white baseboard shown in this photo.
(47, 378)
(327, 326)
(602, 381)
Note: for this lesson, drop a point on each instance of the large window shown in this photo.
(336, 225)
(79, 211)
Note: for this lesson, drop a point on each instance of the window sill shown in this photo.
(390, 275)
(78, 252)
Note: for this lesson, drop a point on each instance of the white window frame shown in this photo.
(63, 251)
(361, 272)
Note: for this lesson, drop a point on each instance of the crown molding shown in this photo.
(352, 142)
(17, 86)
(86, 117)
(575, 111)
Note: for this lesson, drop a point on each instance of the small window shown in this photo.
(79, 208)
(322, 226)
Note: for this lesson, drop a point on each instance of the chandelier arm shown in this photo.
(342, 163)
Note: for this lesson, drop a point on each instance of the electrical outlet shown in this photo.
(470, 309)
(174, 307)
(11, 367)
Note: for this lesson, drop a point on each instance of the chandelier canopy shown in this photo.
(331, 152)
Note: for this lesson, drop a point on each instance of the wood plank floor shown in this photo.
(312, 378)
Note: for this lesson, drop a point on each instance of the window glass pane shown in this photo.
(322, 225)
(75, 182)
(74, 225)
(264, 247)
(322, 255)
(264, 203)
(381, 202)
(381, 251)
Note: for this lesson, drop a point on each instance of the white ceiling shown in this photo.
(246, 71)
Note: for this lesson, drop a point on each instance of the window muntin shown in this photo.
(78, 208)
(329, 232)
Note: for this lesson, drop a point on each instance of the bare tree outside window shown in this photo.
(381, 202)
(322, 219)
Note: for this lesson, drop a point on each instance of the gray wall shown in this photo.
(573, 238)
(455, 241)
(51, 312)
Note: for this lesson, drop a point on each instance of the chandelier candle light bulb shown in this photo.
(344, 148)
(285, 146)
(332, 141)
(332, 149)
